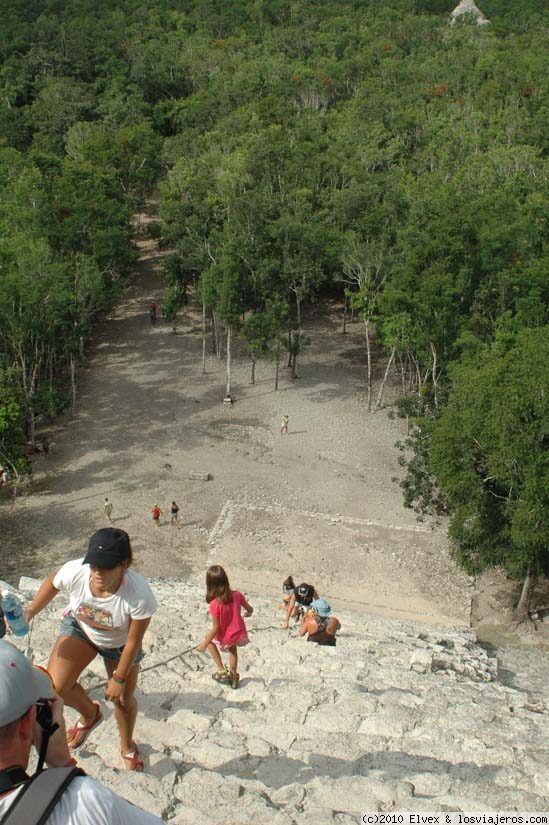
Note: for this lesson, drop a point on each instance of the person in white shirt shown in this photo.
(85, 801)
(110, 608)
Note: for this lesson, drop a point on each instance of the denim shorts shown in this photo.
(70, 627)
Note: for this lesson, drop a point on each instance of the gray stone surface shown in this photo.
(397, 717)
(469, 7)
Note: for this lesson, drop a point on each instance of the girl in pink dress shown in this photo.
(228, 631)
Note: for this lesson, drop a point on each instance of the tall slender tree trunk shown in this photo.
(218, 331)
(50, 370)
(215, 335)
(402, 372)
(293, 374)
(289, 347)
(228, 360)
(32, 431)
(345, 309)
(297, 338)
(522, 610)
(277, 364)
(387, 368)
(73, 381)
(434, 374)
(252, 380)
(368, 363)
(418, 373)
(203, 338)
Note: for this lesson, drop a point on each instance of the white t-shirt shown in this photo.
(105, 621)
(88, 802)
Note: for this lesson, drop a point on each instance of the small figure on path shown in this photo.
(107, 506)
(284, 426)
(174, 510)
(152, 312)
(319, 623)
(156, 513)
(46, 446)
(228, 631)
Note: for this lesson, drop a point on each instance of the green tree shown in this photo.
(490, 455)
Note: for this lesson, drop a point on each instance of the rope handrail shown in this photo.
(179, 655)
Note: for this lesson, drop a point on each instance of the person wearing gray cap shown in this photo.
(24, 689)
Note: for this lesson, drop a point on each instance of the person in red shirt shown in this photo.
(228, 631)
(156, 513)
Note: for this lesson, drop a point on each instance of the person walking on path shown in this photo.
(110, 609)
(152, 312)
(174, 515)
(284, 425)
(107, 506)
(85, 801)
(228, 631)
(156, 512)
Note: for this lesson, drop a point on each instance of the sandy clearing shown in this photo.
(319, 503)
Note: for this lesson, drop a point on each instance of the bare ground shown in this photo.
(319, 503)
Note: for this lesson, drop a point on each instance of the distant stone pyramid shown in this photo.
(469, 7)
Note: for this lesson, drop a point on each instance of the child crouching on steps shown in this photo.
(228, 631)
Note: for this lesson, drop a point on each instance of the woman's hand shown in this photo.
(115, 692)
(202, 647)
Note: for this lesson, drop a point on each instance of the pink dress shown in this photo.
(232, 630)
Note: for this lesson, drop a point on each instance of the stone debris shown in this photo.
(398, 716)
(471, 8)
(200, 476)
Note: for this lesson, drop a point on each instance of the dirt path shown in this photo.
(319, 503)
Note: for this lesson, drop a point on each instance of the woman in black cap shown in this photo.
(109, 611)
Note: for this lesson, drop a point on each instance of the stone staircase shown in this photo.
(397, 717)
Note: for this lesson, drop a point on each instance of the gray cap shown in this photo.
(21, 684)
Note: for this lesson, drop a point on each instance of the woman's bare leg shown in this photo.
(126, 714)
(69, 657)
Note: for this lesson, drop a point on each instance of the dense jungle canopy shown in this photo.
(366, 150)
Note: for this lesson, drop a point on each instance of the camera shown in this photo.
(44, 715)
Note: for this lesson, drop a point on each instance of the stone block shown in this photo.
(29, 586)
(421, 661)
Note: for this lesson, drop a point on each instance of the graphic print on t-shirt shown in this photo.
(94, 616)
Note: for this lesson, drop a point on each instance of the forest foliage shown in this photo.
(368, 150)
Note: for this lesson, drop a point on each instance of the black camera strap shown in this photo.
(12, 777)
(44, 745)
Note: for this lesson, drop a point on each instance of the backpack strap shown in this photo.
(34, 804)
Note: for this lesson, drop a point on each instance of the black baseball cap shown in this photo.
(107, 548)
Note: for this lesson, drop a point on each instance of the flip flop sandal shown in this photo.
(235, 679)
(136, 763)
(84, 730)
(220, 675)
